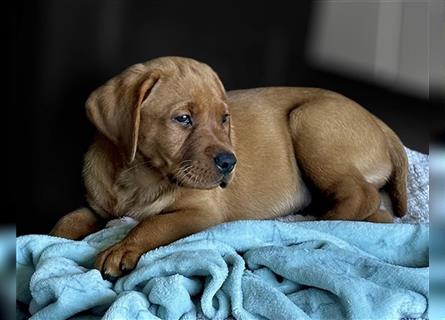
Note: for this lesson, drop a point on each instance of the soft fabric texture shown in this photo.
(418, 188)
(272, 269)
(244, 269)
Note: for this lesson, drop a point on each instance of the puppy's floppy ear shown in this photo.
(115, 107)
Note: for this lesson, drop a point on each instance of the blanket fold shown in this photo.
(246, 269)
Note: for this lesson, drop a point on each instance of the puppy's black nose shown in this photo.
(225, 162)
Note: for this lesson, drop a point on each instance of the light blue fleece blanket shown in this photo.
(244, 269)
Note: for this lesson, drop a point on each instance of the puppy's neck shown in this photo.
(116, 188)
(138, 174)
(141, 171)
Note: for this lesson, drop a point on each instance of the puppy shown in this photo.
(179, 154)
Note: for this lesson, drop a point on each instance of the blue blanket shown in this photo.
(246, 269)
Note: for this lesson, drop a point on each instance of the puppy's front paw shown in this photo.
(118, 260)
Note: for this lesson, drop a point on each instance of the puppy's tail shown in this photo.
(397, 183)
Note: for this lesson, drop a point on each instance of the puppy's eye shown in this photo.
(225, 118)
(184, 119)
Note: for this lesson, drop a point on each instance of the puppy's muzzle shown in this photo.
(225, 162)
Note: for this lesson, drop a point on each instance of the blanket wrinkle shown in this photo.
(312, 270)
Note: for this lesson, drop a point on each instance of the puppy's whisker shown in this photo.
(184, 163)
(182, 172)
(185, 170)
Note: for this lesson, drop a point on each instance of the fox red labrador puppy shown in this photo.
(177, 152)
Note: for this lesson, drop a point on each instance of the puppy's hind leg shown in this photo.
(332, 139)
(352, 198)
(77, 224)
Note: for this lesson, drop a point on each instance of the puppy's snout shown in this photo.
(225, 162)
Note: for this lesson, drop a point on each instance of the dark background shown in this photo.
(62, 50)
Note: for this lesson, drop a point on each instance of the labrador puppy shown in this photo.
(177, 152)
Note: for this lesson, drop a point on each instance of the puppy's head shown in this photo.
(170, 112)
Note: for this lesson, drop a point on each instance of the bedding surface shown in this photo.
(248, 269)
(244, 269)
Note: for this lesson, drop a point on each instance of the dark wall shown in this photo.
(62, 50)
